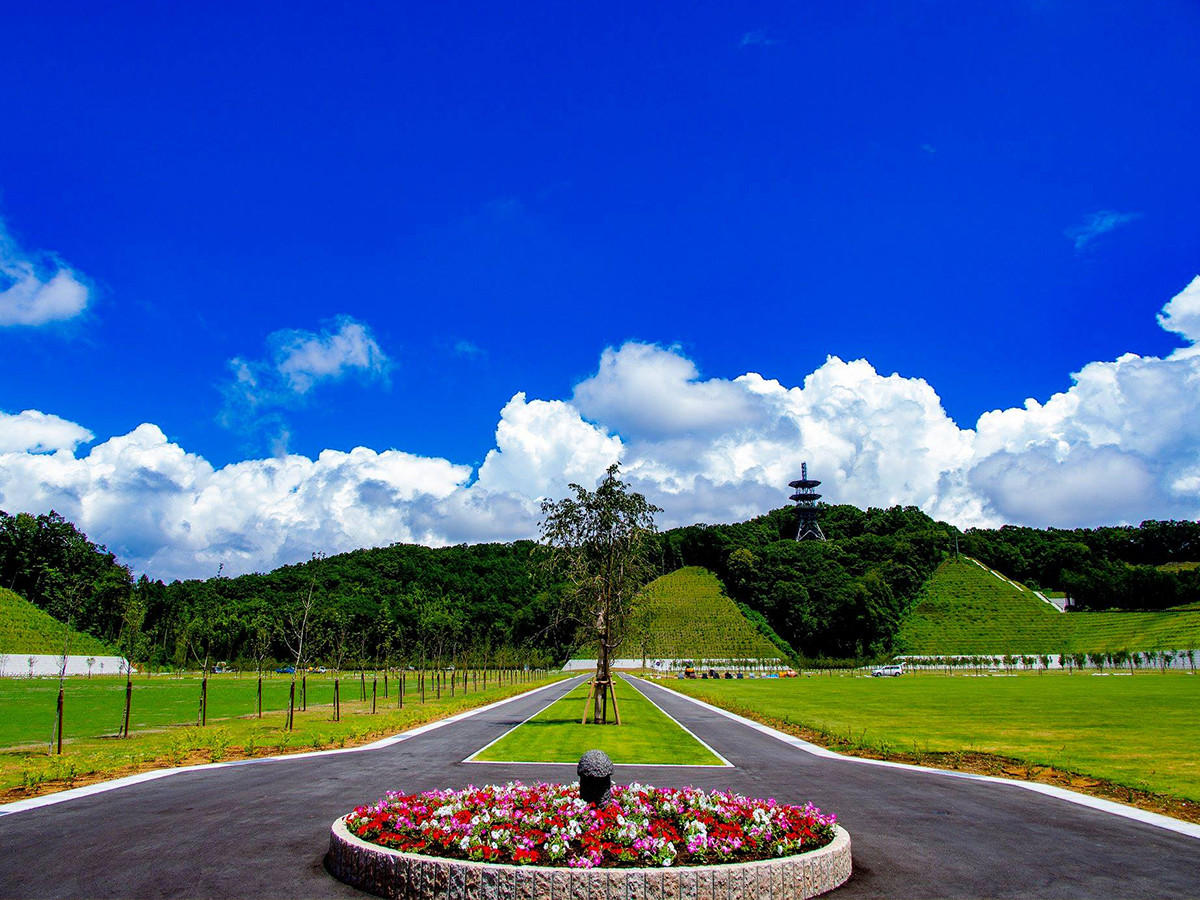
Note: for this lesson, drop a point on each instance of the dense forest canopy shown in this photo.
(408, 604)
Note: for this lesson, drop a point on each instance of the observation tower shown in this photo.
(806, 501)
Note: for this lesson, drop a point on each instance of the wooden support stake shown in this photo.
(588, 703)
(60, 717)
(128, 703)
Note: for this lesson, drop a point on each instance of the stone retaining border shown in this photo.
(410, 876)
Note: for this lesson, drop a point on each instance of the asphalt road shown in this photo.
(261, 830)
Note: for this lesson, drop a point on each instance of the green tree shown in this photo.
(600, 541)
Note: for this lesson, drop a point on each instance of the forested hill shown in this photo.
(844, 597)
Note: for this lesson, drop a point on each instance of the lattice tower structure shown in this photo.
(806, 502)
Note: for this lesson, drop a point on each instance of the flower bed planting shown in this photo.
(549, 825)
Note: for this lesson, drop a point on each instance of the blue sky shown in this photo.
(294, 229)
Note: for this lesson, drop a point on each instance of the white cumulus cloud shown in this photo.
(37, 432)
(1122, 444)
(646, 390)
(1182, 314)
(542, 446)
(36, 289)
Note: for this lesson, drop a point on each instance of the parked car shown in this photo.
(286, 670)
(887, 672)
(320, 670)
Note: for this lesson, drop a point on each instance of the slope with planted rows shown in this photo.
(26, 629)
(686, 615)
(966, 608)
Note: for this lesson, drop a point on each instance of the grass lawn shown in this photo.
(646, 735)
(95, 706)
(1135, 730)
(92, 710)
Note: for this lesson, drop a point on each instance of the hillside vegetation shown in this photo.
(25, 629)
(966, 609)
(498, 605)
(686, 615)
(1148, 567)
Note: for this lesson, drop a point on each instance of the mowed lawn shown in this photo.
(1136, 730)
(646, 735)
(26, 767)
(93, 707)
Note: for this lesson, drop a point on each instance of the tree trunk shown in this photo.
(128, 703)
(337, 702)
(291, 704)
(374, 692)
(260, 695)
(304, 693)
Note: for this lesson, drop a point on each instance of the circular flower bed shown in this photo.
(549, 825)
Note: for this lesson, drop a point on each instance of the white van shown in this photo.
(888, 672)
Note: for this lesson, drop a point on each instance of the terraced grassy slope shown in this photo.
(26, 629)
(686, 615)
(965, 608)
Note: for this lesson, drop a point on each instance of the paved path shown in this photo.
(260, 830)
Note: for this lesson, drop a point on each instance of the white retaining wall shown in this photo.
(16, 665)
(670, 665)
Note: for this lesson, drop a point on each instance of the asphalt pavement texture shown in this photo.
(262, 829)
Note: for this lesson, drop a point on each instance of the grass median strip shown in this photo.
(646, 735)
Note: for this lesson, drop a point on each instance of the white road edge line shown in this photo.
(725, 764)
(101, 787)
(1117, 809)
(472, 759)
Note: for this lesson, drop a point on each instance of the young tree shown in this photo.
(337, 645)
(133, 646)
(599, 540)
(295, 633)
(68, 594)
(261, 628)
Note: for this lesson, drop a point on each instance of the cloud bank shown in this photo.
(36, 289)
(1121, 445)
